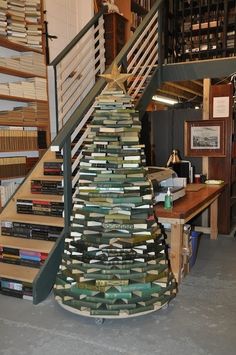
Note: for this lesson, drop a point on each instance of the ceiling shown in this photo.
(187, 93)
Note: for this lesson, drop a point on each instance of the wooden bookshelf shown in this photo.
(133, 11)
(115, 35)
(22, 56)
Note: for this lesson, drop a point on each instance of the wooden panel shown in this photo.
(220, 168)
(115, 35)
(18, 272)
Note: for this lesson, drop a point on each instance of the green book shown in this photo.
(133, 287)
(114, 294)
(104, 312)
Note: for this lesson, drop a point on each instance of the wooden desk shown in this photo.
(183, 211)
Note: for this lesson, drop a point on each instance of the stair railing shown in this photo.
(139, 57)
(73, 72)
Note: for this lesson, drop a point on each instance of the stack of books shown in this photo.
(16, 24)
(40, 207)
(22, 257)
(115, 260)
(18, 138)
(12, 167)
(7, 188)
(35, 113)
(47, 187)
(3, 18)
(33, 23)
(30, 230)
(40, 86)
(32, 88)
(16, 288)
(27, 62)
(52, 168)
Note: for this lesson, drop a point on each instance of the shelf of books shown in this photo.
(204, 29)
(31, 220)
(21, 22)
(24, 116)
(31, 231)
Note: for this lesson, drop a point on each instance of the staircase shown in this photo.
(33, 227)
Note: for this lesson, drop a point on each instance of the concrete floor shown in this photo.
(200, 320)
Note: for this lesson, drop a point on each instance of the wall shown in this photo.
(65, 19)
(167, 129)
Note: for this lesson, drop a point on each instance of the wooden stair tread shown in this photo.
(36, 219)
(43, 246)
(18, 272)
(49, 178)
(42, 197)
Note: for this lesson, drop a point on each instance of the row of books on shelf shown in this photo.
(31, 88)
(40, 207)
(185, 5)
(47, 187)
(190, 26)
(7, 188)
(16, 288)
(12, 166)
(147, 4)
(22, 257)
(32, 113)
(16, 138)
(135, 19)
(28, 62)
(20, 21)
(30, 230)
(15, 167)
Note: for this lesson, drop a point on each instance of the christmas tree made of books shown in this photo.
(115, 261)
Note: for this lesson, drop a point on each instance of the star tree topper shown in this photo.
(115, 78)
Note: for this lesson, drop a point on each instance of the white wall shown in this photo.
(65, 19)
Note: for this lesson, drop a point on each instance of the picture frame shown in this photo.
(204, 138)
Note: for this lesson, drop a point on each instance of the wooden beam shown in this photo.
(198, 82)
(172, 91)
(206, 116)
(180, 86)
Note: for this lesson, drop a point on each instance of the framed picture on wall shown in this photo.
(204, 138)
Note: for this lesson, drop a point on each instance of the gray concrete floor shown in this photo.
(200, 320)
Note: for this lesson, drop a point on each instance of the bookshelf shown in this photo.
(115, 35)
(134, 11)
(204, 29)
(31, 225)
(24, 115)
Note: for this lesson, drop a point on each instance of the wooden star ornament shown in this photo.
(115, 78)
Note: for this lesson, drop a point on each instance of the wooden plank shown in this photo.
(42, 246)
(42, 197)
(18, 272)
(214, 219)
(176, 250)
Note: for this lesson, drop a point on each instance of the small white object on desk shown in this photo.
(214, 182)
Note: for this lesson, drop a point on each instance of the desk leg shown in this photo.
(214, 219)
(176, 244)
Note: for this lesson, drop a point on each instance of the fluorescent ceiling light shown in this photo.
(164, 100)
